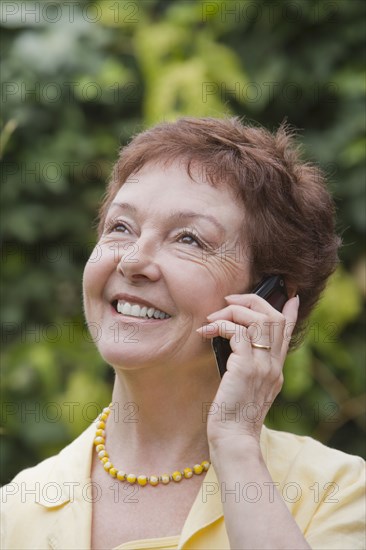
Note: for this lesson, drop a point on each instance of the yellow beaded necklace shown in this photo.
(142, 480)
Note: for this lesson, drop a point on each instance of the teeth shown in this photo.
(134, 310)
(126, 309)
(143, 311)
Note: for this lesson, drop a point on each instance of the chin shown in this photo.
(126, 355)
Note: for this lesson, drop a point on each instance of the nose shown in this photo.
(138, 261)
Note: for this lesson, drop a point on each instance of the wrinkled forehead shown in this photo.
(157, 192)
(196, 172)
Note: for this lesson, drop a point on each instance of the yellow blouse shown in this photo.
(164, 543)
(49, 506)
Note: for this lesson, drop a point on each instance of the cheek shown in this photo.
(90, 279)
(95, 272)
(88, 288)
(199, 286)
(215, 280)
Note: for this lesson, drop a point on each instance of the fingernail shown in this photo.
(298, 299)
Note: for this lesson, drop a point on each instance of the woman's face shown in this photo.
(171, 244)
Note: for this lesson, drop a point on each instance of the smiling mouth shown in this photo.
(135, 310)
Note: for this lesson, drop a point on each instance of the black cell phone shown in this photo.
(272, 289)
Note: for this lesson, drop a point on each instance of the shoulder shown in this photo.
(283, 450)
(324, 488)
(275, 440)
(49, 483)
(33, 500)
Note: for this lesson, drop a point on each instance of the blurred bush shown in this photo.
(79, 78)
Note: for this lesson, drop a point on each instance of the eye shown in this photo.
(189, 237)
(115, 225)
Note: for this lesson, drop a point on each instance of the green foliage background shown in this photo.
(102, 71)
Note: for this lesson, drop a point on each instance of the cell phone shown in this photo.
(272, 289)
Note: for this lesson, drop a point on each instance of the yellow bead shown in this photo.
(153, 480)
(142, 480)
(177, 476)
(131, 478)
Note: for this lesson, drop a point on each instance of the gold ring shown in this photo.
(259, 346)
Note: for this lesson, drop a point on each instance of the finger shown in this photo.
(291, 309)
(237, 314)
(251, 301)
(222, 327)
(281, 329)
(281, 325)
(261, 328)
(238, 335)
(265, 330)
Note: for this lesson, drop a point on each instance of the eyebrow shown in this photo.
(179, 215)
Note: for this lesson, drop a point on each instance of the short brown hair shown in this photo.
(288, 211)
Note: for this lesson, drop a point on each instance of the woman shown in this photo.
(196, 214)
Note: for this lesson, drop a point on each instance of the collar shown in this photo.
(67, 491)
(207, 507)
(66, 494)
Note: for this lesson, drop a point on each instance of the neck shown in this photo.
(158, 415)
